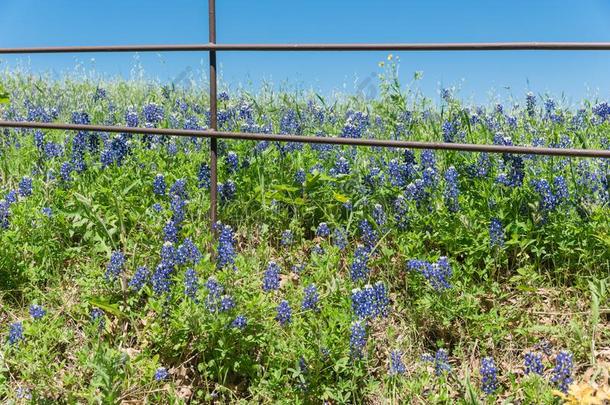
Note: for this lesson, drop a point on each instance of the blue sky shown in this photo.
(480, 76)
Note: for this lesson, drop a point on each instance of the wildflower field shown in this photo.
(339, 275)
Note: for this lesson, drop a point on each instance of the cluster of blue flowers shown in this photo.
(397, 366)
(451, 190)
(359, 268)
(437, 274)
(323, 230)
(226, 247)
(357, 340)
(139, 278)
(15, 334)
(37, 311)
(489, 375)
(562, 372)
(161, 374)
(496, 233)
(114, 268)
(271, 277)
(533, 363)
(371, 302)
(310, 301)
(284, 313)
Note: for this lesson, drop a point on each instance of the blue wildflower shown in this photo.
(357, 340)
(287, 238)
(397, 367)
(191, 283)
(15, 334)
(139, 279)
(203, 175)
(310, 301)
(359, 267)
(25, 186)
(339, 238)
(226, 247)
(159, 185)
(451, 190)
(188, 252)
(271, 277)
(161, 374)
(323, 230)
(437, 274)
(153, 113)
(533, 363)
(562, 372)
(240, 322)
(37, 312)
(115, 265)
(441, 362)
(489, 375)
(379, 215)
(284, 313)
(232, 162)
(496, 233)
(369, 234)
(46, 211)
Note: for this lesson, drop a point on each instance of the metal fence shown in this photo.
(214, 134)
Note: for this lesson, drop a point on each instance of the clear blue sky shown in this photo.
(583, 74)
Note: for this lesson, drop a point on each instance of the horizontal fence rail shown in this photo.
(464, 46)
(214, 134)
(315, 139)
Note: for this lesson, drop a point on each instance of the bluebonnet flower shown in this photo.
(80, 117)
(271, 277)
(530, 103)
(37, 312)
(170, 232)
(65, 172)
(226, 247)
(131, 118)
(339, 238)
(548, 200)
(562, 372)
(549, 106)
(203, 175)
(437, 274)
(359, 267)
(227, 303)
(428, 159)
(191, 283)
(232, 162)
(533, 363)
(11, 197)
(323, 230)
(215, 293)
(397, 367)
(381, 300)
(362, 302)
(561, 189)
(341, 167)
(284, 313)
(97, 315)
(357, 340)
(489, 375)
(496, 233)
(317, 250)
(115, 265)
(187, 252)
(159, 185)
(139, 279)
(310, 301)
(355, 124)
(25, 187)
(15, 333)
(153, 113)
(99, 94)
(161, 374)
(602, 110)
(223, 96)
(379, 215)
(446, 94)
(287, 238)
(227, 190)
(450, 130)
(179, 189)
(441, 362)
(4, 214)
(369, 234)
(178, 205)
(240, 322)
(298, 268)
(299, 176)
(451, 190)
(23, 393)
(47, 212)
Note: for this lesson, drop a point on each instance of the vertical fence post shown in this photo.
(213, 119)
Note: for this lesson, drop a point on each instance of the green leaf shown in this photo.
(106, 306)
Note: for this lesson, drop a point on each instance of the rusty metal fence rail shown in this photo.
(214, 134)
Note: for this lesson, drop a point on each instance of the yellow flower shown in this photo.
(381, 64)
(390, 56)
